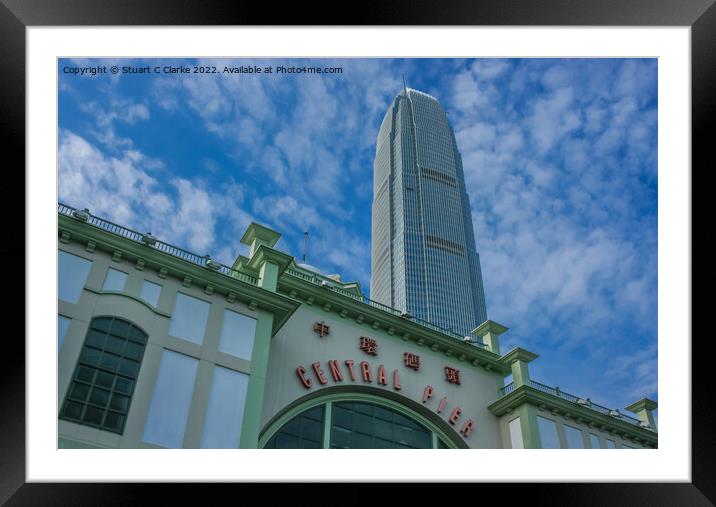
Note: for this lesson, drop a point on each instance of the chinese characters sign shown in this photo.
(411, 360)
(369, 346)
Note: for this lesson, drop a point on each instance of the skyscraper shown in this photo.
(423, 255)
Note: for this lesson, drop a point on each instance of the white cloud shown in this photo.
(122, 189)
(552, 118)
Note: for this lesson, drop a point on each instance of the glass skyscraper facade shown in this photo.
(423, 255)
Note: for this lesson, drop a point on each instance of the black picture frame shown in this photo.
(700, 15)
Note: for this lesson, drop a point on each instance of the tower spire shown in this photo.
(405, 89)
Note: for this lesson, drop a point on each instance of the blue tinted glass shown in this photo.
(63, 324)
(548, 433)
(222, 427)
(169, 407)
(72, 274)
(189, 318)
(237, 335)
(115, 280)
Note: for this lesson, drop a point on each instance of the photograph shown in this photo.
(357, 253)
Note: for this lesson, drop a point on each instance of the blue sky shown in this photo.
(560, 160)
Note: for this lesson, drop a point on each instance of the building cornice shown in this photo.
(264, 253)
(351, 307)
(518, 354)
(528, 395)
(234, 289)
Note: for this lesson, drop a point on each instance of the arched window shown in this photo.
(354, 424)
(103, 382)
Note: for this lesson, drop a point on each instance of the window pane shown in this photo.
(114, 421)
(169, 407)
(123, 385)
(547, 433)
(611, 444)
(63, 323)
(628, 446)
(72, 273)
(150, 292)
(516, 434)
(360, 425)
(305, 431)
(91, 399)
(189, 318)
(594, 440)
(222, 428)
(115, 280)
(237, 335)
(574, 437)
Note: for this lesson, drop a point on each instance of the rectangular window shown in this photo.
(150, 292)
(547, 433)
(72, 274)
(628, 446)
(237, 335)
(115, 280)
(63, 323)
(169, 408)
(611, 444)
(594, 440)
(574, 437)
(222, 428)
(189, 318)
(516, 434)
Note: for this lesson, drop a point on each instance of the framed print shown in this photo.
(203, 335)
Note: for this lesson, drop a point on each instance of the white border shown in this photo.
(670, 462)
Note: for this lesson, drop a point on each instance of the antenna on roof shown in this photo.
(305, 245)
(405, 89)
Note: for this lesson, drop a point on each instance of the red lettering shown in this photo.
(455, 415)
(427, 393)
(319, 373)
(365, 370)
(441, 405)
(381, 375)
(336, 372)
(396, 380)
(351, 371)
(467, 428)
(301, 371)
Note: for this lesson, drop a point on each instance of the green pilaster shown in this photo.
(327, 422)
(517, 359)
(257, 382)
(520, 373)
(643, 410)
(270, 264)
(257, 235)
(490, 332)
(268, 276)
(528, 425)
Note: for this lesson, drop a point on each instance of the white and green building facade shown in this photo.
(163, 348)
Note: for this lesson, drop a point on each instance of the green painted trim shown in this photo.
(529, 427)
(327, 421)
(518, 354)
(267, 254)
(489, 326)
(251, 424)
(130, 296)
(268, 275)
(280, 305)
(260, 232)
(528, 395)
(401, 326)
(642, 404)
(369, 395)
